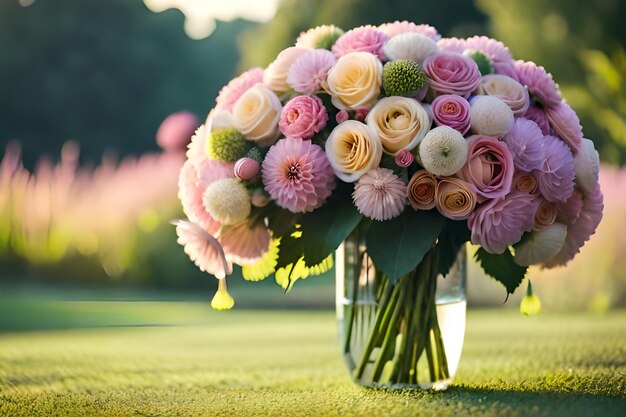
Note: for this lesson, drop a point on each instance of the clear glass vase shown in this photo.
(403, 334)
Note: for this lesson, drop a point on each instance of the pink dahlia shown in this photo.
(566, 124)
(398, 28)
(361, 39)
(556, 177)
(581, 230)
(203, 249)
(538, 115)
(308, 71)
(450, 73)
(497, 53)
(455, 45)
(539, 82)
(230, 93)
(501, 222)
(525, 141)
(176, 130)
(303, 117)
(297, 175)
(380, 194)
(245, 243)
(569, 211)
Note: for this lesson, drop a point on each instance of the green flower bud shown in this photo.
(227, 145)
(484, 63)
(327, 40)
(402, 77)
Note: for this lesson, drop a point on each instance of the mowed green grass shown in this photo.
(189, 360)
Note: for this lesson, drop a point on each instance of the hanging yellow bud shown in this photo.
(531, 304)
(222, 300)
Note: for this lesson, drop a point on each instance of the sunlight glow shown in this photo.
(200, 15)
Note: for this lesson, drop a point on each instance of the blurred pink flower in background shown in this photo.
(176, 130)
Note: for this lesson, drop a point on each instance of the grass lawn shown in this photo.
(173, 358)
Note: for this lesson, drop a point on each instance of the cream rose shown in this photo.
(508, 90)
(455, 198)
(355, 81)
(275, 75)
(353, 149)
(256, 115)
(401, 123)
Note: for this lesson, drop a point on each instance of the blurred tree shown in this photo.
(104, 73)
(582, 43)
(260, 45)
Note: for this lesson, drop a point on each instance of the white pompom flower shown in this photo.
(490, 116)
(539, 246)
(413, 46)
(587, 166)
(227, 200)
(443, 151)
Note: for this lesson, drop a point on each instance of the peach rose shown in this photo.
(400, 122)
(421, 190)
(455, 198)
(256, 115)
(545, 215)
(355, 81)
(275, 75)
(526, 183)
(353, 149)
(508, 90)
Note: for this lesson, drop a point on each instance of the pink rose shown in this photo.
(404, 158)
(450, 73)
(545, 215)
(489, 167)
(501, 222)
(421, 190)
(453, 111)
(342, 116)
(303, 117)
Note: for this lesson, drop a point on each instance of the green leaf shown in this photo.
(502, 268)
(290, 250)
(324, 229)
(397, 246)
(281, 221)
(452, 238)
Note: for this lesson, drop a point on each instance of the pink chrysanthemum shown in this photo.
(297, 175)
(203, 249)
(244, 243)
(496, 51)
(308, 71)
(455, 45)
(580, 232)
(539, 82)
(193, 182)
(361, 39)
(525, 141)
(538, 115)
(569, 211)
(230, 93)
(380, 194)
(398, 28)
(556, 177)
(498, 223)
(566, 124)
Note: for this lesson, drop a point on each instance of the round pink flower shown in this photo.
(556, 177)
(398, 28)
(230, 93)
(303, 117)
(496, 51)
(450, 73)
(361, 39)
(566, 124)
(454, 45)
(246, 168)
(176, 130)
(297, 175)
(538, 115)
(489, 166)
(525, 141)
(453, 111)
(308, 71)
(404, 158)
(380, 194)
(539, 83)
(341, 116)
(581, 230)
(501, 222)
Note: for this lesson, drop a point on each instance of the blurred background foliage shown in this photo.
(106, 73)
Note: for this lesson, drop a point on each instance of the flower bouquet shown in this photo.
(405, 146)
